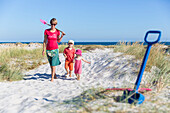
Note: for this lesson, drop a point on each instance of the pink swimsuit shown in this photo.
(77, 66)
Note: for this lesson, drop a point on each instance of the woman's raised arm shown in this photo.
(60, 38)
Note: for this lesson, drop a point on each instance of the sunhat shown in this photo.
(71, 41)
(78, 52)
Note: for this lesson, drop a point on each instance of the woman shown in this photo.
(51, 40)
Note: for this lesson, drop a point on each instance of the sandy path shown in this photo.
(107, 69)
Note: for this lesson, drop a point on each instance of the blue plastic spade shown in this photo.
(134, 96)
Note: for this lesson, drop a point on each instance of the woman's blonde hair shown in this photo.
(53, 21)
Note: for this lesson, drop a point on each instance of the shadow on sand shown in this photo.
(45, 76)
(91, 95)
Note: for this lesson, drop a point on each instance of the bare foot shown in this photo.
(55, 77)
(52, 80)
(66, 75)
(70, 74)
(78, 77)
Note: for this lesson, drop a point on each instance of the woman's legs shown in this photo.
(53, 73)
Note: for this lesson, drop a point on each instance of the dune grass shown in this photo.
(10, 73)
(157, 58)
(101, 100)
(93, 47)
(13, 61)
(62, 47)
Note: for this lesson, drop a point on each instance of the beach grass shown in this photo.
(93, 47)
(10, 73)
(62, 47)
(157, 58)
(13, 61)
(101, 100)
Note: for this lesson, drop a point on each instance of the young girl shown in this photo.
(78, 65)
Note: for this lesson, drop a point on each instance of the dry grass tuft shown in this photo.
(157, 58)
(23, 59)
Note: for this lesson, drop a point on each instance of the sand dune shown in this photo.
(107, 69)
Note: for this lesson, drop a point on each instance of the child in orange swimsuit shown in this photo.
(69, 53)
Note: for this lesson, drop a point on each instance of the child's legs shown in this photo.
(67, 66)
(71, 68)
(78, 76)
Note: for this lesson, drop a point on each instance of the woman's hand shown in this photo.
(43, 52)
(60, 38)
(63, 33)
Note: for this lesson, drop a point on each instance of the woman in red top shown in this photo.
(51, 40)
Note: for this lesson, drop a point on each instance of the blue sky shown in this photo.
(84, 20)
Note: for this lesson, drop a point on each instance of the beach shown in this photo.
(121, 49)
(36, 94)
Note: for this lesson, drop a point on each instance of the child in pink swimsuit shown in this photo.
(78, 64)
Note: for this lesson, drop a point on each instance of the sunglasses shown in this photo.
(54, 24)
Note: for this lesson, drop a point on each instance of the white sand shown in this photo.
(36, 92)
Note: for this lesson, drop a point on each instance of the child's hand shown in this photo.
(89, 62)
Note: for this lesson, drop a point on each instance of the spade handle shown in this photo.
(142, 69)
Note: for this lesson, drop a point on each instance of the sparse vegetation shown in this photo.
(13, 61)
(93, 47)
(100, 100)
(157, 58)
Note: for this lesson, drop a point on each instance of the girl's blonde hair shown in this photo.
(53, 21)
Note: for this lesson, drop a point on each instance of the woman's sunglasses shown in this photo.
(54, 24)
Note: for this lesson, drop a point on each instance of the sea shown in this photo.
(91, 43)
